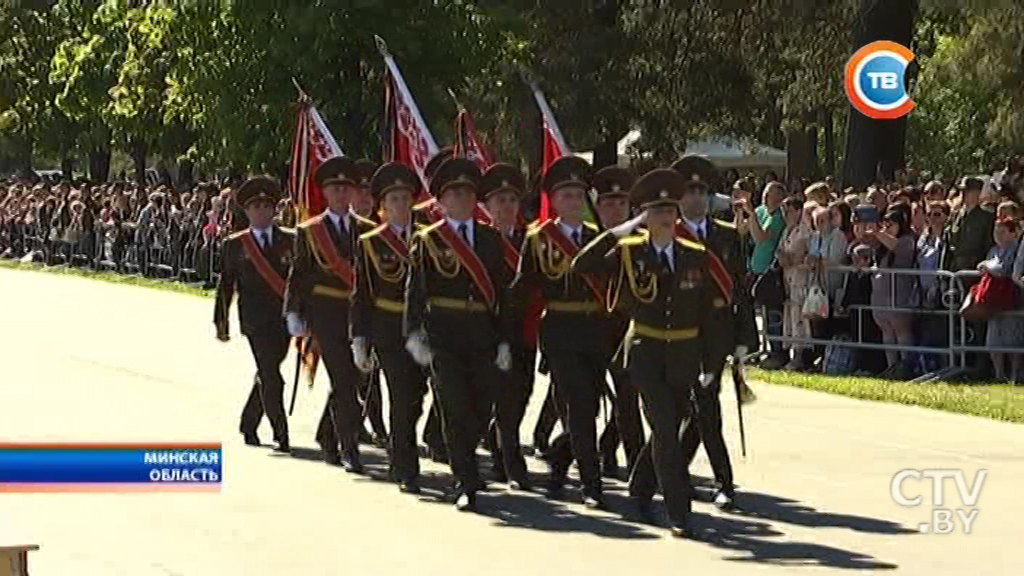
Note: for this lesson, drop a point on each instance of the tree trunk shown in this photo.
(606, 153)
(830, 142)
(139, 148)
(878, 146)
(23, 155)
(185, 173)
(99, 163)
(813, 165)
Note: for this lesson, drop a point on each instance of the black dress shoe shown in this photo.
(645, 509)
(466, 502)
(498, 474)
(724, 501)
(365, 437)
(679, 530)
(555, 488)
(352, 463)
(251, 439)
(610, 468)
(593, 499)
(283, 446)
(331, 456)
(520, 485)
(410, 487)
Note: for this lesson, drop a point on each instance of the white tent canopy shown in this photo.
(723, 152)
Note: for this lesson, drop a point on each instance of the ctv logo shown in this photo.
(875, 80)
(944, 517)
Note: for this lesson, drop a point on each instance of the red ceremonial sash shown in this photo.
(571, 250)
(470, 260)
(341, 267)
(510, 252)
(719, 273)
(259, 260)
(387, 234)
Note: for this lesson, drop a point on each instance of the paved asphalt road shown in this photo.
(93, 362)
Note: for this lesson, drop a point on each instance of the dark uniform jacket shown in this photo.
(443, 299)
(677, 312)
(378, 304)
(734, 325)
(573, 316)
(313, 288)
(259, 307)
(969, 239)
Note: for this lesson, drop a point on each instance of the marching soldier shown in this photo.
(502, 188)
(255, 263)
(612, 184)
(733, 331)
(319, 289)
(574, 329)
(456, 317)
(382, 265)
(667, 290)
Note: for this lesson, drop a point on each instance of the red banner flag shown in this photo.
(467, 144)
(407, 137)
(313, 144)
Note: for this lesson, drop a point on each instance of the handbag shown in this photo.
(769, 289)
(816, 304)
(997, 292)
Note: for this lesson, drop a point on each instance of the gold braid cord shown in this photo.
(392, 277)
(447, 266)
(645, 293)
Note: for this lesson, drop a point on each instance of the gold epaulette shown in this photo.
(535, 227)
(724, 223)
(696, 246)
(287, 230)
(238, 234)
(364, 221)
(372, 233)
(535, 224)
(426, 230)
(423, 205)
(634, 239)
(593, 227)
(311, 221)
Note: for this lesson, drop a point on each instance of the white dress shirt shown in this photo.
(336, 218)
(470, 230)
(569, 231)
(399, 231)
(264, 236)
(699, 228)
(667, 250)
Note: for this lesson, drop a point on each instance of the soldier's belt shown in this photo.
(665, 335)
(331, 291)
(456, 304)
(389, 305)
(576, 307)
(718, 303)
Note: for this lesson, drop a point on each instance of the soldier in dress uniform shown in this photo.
(612, 184)
(255, 263)
(364, 205)
(668, 292)
(574, 330)
(502, 188)
(733, 331)
(319, 290)
(457, 319)
(382, 266)
(425, 212)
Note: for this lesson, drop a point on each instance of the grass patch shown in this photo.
(111, 277)
(996, 401)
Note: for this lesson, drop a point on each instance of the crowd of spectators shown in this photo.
(831, 249)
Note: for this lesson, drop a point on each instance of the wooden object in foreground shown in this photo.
(14, 559)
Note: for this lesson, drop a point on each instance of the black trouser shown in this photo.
(626, 426)
(407, 385)
(267, 395)
(343, 410)
(579, 384)
(461, 379)
(665, 374)
(550, 413)
(510, 400)
(707, 430)
(373, 406)
(433, 435)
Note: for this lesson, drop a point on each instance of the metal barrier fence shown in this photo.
(959, 338)
(177, 253)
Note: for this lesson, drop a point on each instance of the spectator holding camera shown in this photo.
(896, 251)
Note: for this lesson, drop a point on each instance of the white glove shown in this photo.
(627, 227)
(417, 346)
(706, 380)
(504, 359)
(361, 354)
(740, 354)
(296, 327)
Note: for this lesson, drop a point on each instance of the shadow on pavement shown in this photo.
(534, 511)
(777, 508)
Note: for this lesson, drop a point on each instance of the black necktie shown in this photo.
(264, 241)
(700, 232)
(576, 237)
(665, 263)
(464, 230)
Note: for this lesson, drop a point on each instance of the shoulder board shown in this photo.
(314, 220)
(372, 233)
(424, 205)
(534, 224)
(689, 244)
(633, 240)
(535, 227)
(724, 223)
(426, 230)
(592, 226)
(238, 234)
(364, 221)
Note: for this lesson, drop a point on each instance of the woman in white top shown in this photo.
(796, 268)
